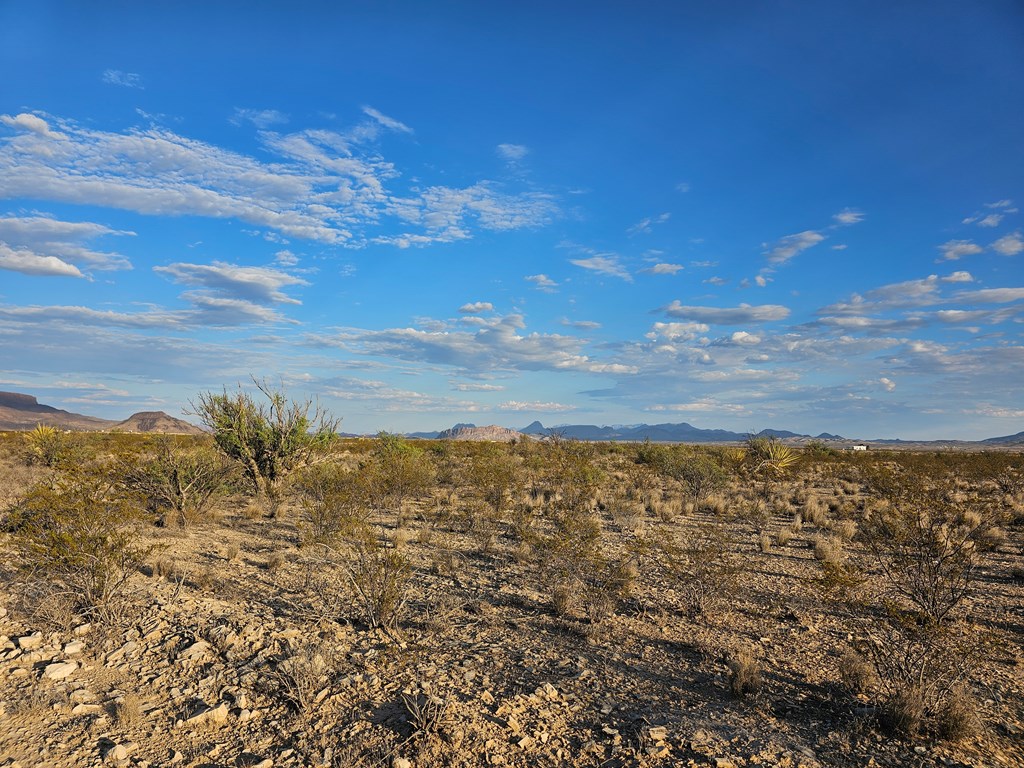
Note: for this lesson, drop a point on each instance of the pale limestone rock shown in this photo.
(60, 670)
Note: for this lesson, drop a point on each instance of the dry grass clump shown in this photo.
(744, 673)
(814, 512)
(783, 536)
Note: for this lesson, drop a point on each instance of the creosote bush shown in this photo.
(268, 438)
(181, 478)
(79, 537)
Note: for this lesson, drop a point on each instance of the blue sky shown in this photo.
(740, 215)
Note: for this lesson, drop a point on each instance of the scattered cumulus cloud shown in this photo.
(516, 405)
(583, 325)
(542, 283)
(123, 79)
(323, 186)
(957, 249)
(662, 269)
(471, 386)
(261, 118)
(28, 263)
(646, 226)
(388, 122)
(958, 277)
(69, 242)
(512, 153)
(604, 264)
(683, 186)
(744, 313)
(848, 216)
(889, 384)
(33, 124)
(791, 245)
(253, 284)
(1009, 245)
(476, 307)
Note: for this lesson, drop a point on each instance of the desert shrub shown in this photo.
(856, 673)
(927, 550)
(181, 478)
(395, 471)
(783, 536)
(332, 500)
(379, 579)
(744, 672)
(79, 537)
(957, 718)
(269, 439)
(493, 475)
(425, 709)
(919, 669)
(702, 564)
(699, 474)
(50, 447)
(303, 672)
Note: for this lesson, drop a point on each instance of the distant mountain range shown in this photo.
(687, 433)
(23, 412)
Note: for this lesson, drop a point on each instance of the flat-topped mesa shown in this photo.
(20, 401)
(492, 432)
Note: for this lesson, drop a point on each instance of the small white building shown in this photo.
(859, 448)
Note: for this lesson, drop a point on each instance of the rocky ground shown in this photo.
(239, 647)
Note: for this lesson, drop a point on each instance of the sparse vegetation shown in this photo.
(865, 591)
(268, 438)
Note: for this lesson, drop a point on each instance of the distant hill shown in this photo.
(470, 432)
(658, 433)
(20, 412)
(156, 421)
(1017, 439)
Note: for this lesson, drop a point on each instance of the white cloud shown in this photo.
(123, 79)
(323, 186)
(516, 405)
(716, 280)
(662, 269)
(848, 216)
(1009, 245)
(992, 295)
(958, 277)
(286, 258)
(744, 313)
(889, 384)
(677, 331)
(261, 118)
(999, 204)
(542, 282)
(32, 123)
(604, 264)
(512, 153)
(27, 263)
(742, 337)
(761, 281)
(468, 386)
(992, 220)
(957, 249)
(250, 284)
(790, 245)
(583, 325)
(65, 240)
(387, 122)
(476, 306)
(683, 186)
(646, 226)
(497, 347)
